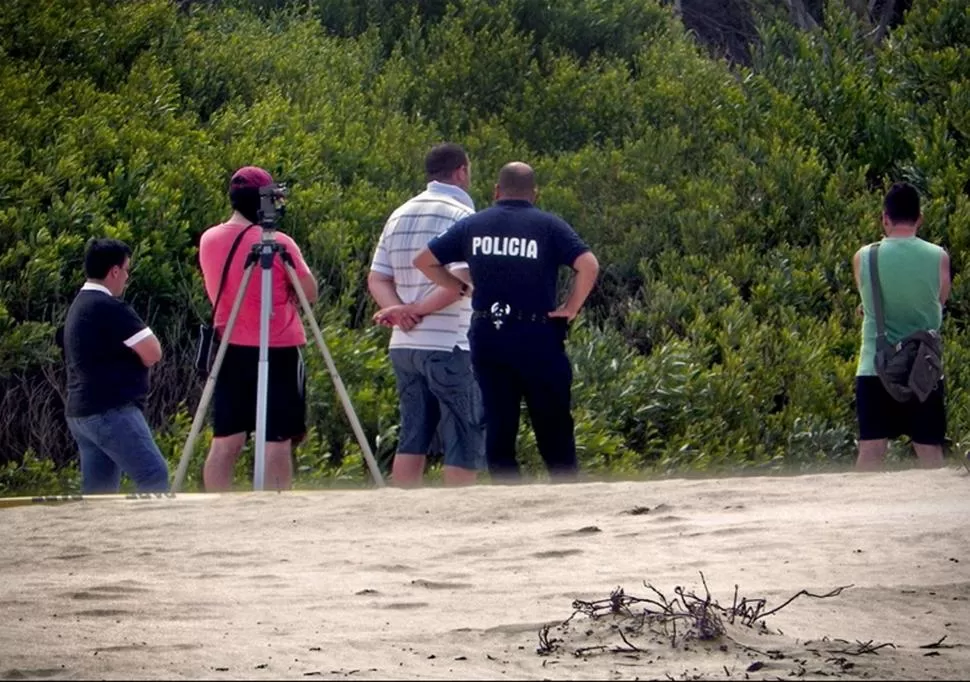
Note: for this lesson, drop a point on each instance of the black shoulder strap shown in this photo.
(225, 270)
(877, 295)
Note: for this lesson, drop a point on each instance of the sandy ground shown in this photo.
(458, 584)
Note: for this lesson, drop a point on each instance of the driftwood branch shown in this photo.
(834, 593)
(684, 616)
(546, 644)
(638, 625)
(862, 648)
(627, 642)
(938, 644)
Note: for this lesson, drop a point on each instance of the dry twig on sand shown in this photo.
(862, 648)
(938, 644)
(751, 610)
(677, 620)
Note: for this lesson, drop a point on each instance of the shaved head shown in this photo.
(517, 180)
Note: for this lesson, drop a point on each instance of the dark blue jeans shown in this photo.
(117, 441)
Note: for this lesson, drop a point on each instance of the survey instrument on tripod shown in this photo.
(263, 253)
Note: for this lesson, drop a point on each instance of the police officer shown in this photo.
(517, 335)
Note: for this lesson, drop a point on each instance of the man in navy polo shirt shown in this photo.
(108, 350)
(517, 335)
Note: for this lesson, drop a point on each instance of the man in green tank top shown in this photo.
(914, 278)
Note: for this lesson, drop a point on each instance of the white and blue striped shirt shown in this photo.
(407, 231)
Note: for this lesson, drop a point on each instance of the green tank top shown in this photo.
(909, 278)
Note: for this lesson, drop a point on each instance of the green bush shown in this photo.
(724, 202)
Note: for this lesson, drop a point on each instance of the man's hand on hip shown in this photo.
(563, 311)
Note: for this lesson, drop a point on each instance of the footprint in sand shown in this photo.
(405, 605)
(637, 511)
(670, 518)
(640, 510)
(91, 595)
(103, 613)
(585, 530)
(108, 591)
(125, 587)
(557, 553)
(432, 585)
(147, 647)
(15, 674)
(518, 628)
(393, 568)
(222, 554)
(465, 551)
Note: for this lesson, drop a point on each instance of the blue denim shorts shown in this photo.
(437, 391)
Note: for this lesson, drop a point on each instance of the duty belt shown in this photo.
(500, 313)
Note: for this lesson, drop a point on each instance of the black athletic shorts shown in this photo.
(234, 400)
(881, 416)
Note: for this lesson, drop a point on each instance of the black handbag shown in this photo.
(206, 349)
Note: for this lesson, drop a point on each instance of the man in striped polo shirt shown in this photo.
(429, 344)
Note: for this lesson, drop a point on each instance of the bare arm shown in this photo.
(382, 289)
(944, 278)
(309, 285)
(435, 301)
(429, 266)
(441, 297)
(587, 268)
(463, 274)
(857, 273)
(148, 349)
(392, 312)
(406, 315)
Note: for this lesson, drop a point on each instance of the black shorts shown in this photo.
(881, 416)
(234, 400)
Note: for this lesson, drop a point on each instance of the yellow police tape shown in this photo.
(6, 502)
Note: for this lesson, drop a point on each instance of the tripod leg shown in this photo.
(262, 376)
(338, 383)
(210, 385)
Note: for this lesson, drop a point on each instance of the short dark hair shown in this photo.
(902, 203)
(246, 201)
(103, 254)
(443, 160)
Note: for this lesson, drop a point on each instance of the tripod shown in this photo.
(264, 253)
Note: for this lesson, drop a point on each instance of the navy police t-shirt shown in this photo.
(514, 252)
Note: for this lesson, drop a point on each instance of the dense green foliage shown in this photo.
(725, 203)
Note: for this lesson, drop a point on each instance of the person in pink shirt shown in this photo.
(234, 399)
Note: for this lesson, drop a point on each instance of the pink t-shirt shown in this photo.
(286, 327)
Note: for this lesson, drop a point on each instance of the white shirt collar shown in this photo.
(453, 191)
(92, 286)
